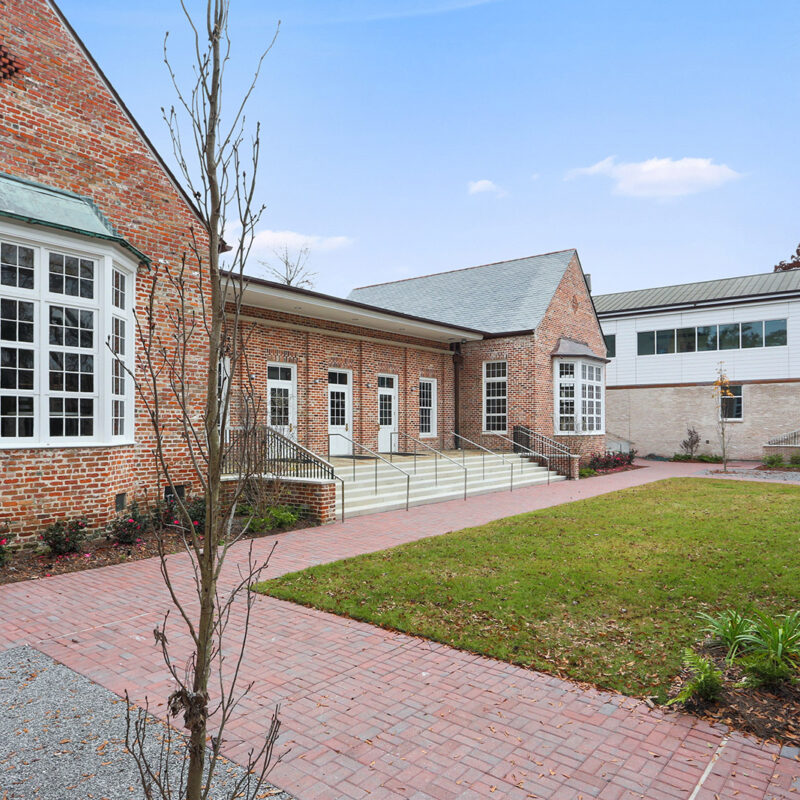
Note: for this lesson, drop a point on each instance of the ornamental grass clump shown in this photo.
(726, 629)
(65, 536)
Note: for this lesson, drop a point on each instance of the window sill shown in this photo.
(734, 421)
(65, 445)
(428, 435)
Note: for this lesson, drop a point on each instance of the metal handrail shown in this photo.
(483, 456)
(791, 439)
(437, 453)
(376, 456)
(559, 454)
(530, 452)
(562, 448)
(299, 456)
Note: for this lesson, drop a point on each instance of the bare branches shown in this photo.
(192, 376)
(291, 268)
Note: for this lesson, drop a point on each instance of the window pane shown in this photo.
(611, 345)
(686, 342)
(752, 334)
(707, 338)
(731, 404)
(16, 266)
(775, 332)
(665, 341)
(495, 369)
(729, 337)
(646, 343)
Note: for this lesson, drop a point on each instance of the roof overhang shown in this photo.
(772, 297)
(569, 348)
(273, 296)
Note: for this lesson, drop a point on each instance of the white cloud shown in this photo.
(266, 242)
(478, 187)
(660, 177)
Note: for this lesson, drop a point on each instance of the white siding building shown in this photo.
(667, 346)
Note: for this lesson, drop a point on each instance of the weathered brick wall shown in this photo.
(59, 125)
(655, 419)
(317, 498)
(316, 351)
(530, 367)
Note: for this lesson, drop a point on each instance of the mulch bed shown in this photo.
(780, 468)
(772, 714)
(24, 565)
(616, 470)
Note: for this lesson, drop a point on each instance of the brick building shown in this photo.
(87, 207)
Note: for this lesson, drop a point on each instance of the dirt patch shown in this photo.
(772, 714)
(23, 565)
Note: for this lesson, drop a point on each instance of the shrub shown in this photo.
(726, 629)
(775, 460)
(4, 549)
(681, 457)
(168, 513)
(707, 458)
(706, 680)
(128, 527)
(586, 472)
(65, 536)
(690, 444)
(794, 459)
(275, 518)
(601, 462)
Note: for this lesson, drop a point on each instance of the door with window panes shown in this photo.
(282, 398)
(387, 412)
(340, 413)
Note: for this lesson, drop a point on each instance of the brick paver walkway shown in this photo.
(369, 713)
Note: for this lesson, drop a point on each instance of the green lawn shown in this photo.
(603, 590)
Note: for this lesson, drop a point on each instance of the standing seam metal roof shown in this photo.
(496, 298)
(705, 291)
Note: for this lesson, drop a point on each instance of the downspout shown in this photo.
(455, 347)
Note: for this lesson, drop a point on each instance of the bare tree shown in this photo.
(291, 269)
(189, 346)
(792, 263)
(692, 441)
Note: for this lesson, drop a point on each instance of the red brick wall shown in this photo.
(59, 125)
(314, 353)
(319, 499)
(530, 367)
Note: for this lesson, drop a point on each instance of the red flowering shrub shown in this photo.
(3, 549)
(65, 536)
(603, 462)
(130, 526)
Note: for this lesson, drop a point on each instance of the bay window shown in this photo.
(65, 342)
(579, 397)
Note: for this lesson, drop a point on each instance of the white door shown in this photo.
(340, 412)
(387, 413)
(282, 398)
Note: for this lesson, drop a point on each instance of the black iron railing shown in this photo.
(555, 454)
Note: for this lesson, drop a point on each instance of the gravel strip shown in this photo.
(63, 736)
(770, 475)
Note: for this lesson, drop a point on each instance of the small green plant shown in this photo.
(276, 518)
(65, 536)
(726, 629)
(762, 671)
(130, 526)
(586, 472)
(774, 639)
(794, 459)
(775, 460)
(706, 680)
(681, 457)
(708, 458)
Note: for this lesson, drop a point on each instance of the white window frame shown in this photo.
(434, 431)
(578, 382)
(485, 382)
(734, 420)
(106, 258)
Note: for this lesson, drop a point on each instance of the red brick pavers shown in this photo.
(370, 713)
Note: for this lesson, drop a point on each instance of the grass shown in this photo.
(605, 590)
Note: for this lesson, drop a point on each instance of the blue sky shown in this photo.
(403, 137)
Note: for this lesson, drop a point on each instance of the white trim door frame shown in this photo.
(340, 412)
(282, 398)
(387, 412)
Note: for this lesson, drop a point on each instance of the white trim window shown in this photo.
(428, 402)
(495, 397)
(731, 404)
(66, 343)
(579, 397)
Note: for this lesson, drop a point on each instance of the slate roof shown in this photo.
(767, 283)
(496, 298)
(43, 205)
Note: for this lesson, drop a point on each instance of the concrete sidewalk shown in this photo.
(370, 713)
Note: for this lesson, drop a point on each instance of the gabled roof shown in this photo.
(766, 285)
(54, 208)
(504, 297)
